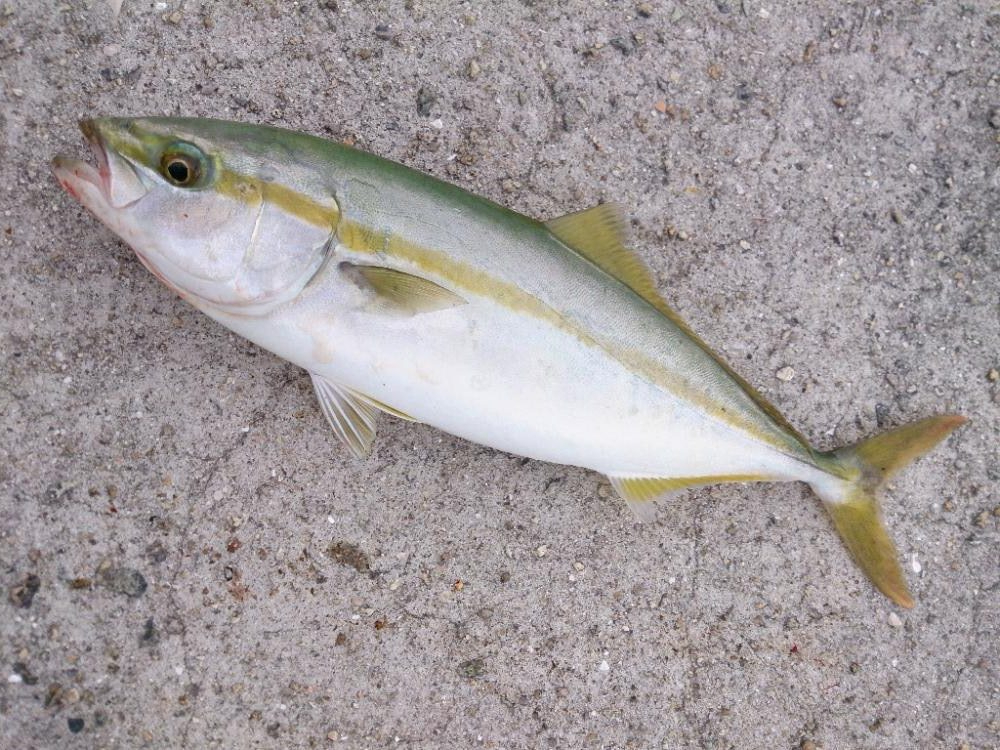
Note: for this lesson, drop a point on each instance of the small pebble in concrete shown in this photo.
(350, 555)
(425, 101)
(472, 668)
(23, 594)
(122, 580)
(624, 44)
(785, 373)
(24, 674)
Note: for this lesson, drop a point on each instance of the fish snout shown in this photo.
(114, 178)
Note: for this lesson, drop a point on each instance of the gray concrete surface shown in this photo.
(189, 560)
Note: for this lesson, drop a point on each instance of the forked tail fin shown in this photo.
(853, 505)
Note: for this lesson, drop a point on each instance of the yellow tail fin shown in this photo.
(853, 505)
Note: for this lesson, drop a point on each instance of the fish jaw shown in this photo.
(112, 186)
(81, 180)
(88, 184)
(107, 190)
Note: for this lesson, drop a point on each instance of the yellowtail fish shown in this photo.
(400, 293)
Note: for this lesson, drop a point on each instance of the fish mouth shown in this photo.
(75, 175)
(112, 181)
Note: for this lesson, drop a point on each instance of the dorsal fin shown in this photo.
(600, 235)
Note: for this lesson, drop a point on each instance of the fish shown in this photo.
(404, 294)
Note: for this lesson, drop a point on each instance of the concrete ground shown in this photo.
(188, 559)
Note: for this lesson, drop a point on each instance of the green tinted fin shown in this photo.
(859, 523)
(404, 291)
(853, 503)
(891, 451)
(642, 493)
(352, 418)
(600, 235)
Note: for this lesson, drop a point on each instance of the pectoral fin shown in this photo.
(352, 418)
(642, 493)
(403, 291)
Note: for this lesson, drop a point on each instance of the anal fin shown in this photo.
(642, 493)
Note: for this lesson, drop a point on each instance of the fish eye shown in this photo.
(182, 165)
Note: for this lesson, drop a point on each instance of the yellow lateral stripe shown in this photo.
(310, 211)
(480, 283)
(468, 279)
(600, 234)
(360, 238)
(240, 187)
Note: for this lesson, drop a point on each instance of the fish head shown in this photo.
(226, 215)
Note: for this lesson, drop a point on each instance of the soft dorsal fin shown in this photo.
(642, 493)
(404, 291)
(600, 235)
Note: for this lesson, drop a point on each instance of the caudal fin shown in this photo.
(853, 505)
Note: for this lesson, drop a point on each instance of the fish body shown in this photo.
(548, 357)
(405, 294)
